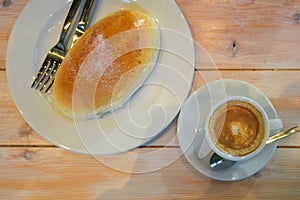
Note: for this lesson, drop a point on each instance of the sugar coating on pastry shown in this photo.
(107, 64)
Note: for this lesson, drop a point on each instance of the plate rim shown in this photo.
(11, 83)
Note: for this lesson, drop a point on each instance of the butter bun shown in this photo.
(107, 64)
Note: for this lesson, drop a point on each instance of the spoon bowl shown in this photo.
(217, 162)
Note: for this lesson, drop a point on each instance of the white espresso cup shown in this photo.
(237, 128)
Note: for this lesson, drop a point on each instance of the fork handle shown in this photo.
(68, 21)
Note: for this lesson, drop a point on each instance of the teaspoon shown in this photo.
(217, 162)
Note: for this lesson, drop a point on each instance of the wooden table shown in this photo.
(254, 41)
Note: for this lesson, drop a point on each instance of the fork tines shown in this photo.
(44, 79)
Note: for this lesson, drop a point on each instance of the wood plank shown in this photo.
(15, 131)
(264, 39)
(30, 173)
(282, 93)
(9, 11)
(266, 34)
(12, 126)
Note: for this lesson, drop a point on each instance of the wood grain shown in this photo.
(15, 131)
(12, 125)
(254, 41)
(30, 173)
(9, 11)
(266, 34)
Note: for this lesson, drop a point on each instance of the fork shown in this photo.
(80, 29)
(44, 79)
(56, 54)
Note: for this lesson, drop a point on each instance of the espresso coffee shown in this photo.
(237, 128)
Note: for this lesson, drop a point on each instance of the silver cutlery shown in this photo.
(83, 21)
(217, 162)
(44, 79)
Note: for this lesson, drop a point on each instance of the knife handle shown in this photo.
(68, 21)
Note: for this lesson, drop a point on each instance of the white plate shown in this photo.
(191, 122)
(146, 114)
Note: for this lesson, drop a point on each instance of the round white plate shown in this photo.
(146, 114)
(191, 128)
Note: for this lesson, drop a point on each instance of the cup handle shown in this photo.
(275, 126)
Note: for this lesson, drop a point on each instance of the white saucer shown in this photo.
(191, 122)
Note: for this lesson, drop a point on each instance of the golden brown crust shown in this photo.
(98, 61)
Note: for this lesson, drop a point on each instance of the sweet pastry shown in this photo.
(107, 64)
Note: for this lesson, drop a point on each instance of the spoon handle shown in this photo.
(283, 134)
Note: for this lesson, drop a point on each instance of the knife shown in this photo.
(83, 21)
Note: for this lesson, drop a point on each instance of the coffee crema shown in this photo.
(237, 128)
